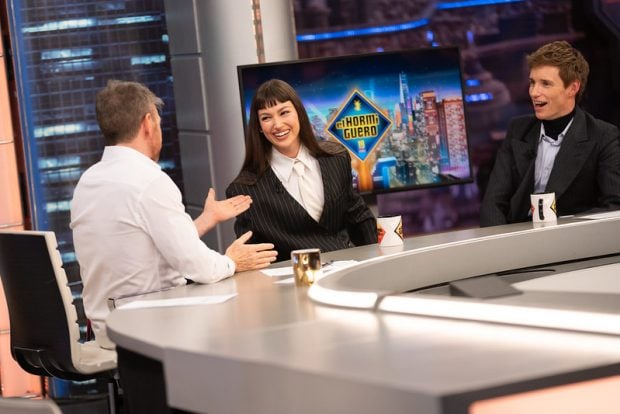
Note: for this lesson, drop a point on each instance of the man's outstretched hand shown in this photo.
(215, 211)
(250, 256)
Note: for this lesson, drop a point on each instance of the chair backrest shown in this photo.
(24, 406)
(43, 319)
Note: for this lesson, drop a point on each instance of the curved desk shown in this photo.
(272, 349)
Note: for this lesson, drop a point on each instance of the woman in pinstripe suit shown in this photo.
(301, 189)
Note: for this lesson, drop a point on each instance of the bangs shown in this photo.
(272, 95)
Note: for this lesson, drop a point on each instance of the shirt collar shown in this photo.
(305, 157)
(112, 152)
(552, 141)
(283, 165)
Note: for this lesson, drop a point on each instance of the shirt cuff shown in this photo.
(230, 265)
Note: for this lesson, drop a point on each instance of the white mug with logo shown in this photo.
(390, 231)
(543, 208)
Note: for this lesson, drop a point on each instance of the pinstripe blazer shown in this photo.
(276, 217)
(585, 174)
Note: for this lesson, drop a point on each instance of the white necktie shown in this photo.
(309, 199)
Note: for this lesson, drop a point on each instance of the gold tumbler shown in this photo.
(306, 266)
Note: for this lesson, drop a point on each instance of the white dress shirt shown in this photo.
(132, 234)
(282, 166)
(548, 149)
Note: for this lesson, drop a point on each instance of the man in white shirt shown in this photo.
(130, 229)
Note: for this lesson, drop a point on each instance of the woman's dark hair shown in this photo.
(257, 146)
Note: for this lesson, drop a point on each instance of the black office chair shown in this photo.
(43, 320)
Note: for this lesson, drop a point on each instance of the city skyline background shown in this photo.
(409, 87)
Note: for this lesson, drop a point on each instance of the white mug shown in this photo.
(390, 231)
(543, 208)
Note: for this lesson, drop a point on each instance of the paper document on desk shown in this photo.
(187, 301)
(327, 269)
(338, 265)
(278, 271)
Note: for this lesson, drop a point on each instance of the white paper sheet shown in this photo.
(278, 271)
(327, 268)
(338, 265)
(187, 301)
(287, 281)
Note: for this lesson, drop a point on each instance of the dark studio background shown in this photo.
(494, 39)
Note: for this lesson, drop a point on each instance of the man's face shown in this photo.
(551, 99)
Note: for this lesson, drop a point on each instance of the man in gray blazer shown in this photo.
(560, 149)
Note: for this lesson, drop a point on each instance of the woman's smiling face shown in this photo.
(280, 125)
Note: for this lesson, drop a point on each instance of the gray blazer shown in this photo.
(585, 174)
(276, 217)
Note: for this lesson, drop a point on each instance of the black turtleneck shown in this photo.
(554, 127)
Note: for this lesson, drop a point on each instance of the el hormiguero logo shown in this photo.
(359, 125)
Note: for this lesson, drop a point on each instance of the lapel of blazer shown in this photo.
(327, 172)
(285, 197)
(524, 151)
(573, 153)
(278, 188)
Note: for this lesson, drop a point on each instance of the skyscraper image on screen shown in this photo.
(399, 114)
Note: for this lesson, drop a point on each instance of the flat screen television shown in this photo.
(399, 114)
